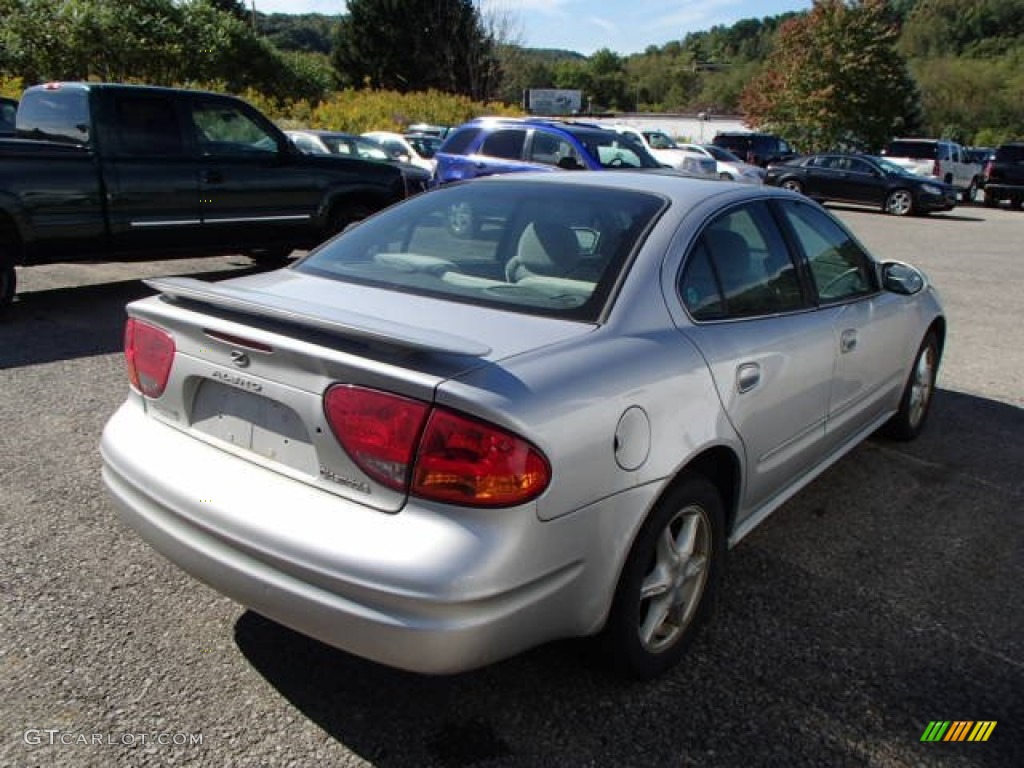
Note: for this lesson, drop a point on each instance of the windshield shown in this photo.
(616, 150)
(425, 146)
(891, 168)
(546, 249)
(659, 140)
(721, 154)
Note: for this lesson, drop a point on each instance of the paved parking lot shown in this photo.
(887, 595)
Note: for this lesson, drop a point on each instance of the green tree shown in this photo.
(835, 78)
(412, 45)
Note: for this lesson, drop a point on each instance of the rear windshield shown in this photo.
(919, 150)
(530, 247)
(1010, 153)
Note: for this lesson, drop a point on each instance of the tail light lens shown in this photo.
(988, 170)
(936, 170)
(465, 461)
(434, 453)
(378, 430)
(149, 353)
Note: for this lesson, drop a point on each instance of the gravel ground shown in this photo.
(886, 595)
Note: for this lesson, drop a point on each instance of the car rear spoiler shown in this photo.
(317, 316)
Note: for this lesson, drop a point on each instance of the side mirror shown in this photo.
(901, 278)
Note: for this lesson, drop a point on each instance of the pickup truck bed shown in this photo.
(1004, 176)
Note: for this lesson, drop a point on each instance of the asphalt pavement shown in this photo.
(885, 596)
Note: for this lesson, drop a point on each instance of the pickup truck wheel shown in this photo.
(8, 282)
(343, 215)
(990, 200)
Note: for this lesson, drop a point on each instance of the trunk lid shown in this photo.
(254, 357)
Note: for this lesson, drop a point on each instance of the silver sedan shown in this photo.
(436, 451)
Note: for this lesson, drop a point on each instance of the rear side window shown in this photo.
(740, 267)
(507, 143)
(147, 126)
(55, 115)
(458, 143)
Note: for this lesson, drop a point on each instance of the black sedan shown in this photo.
(862, 179)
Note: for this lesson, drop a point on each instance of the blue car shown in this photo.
(494, 145)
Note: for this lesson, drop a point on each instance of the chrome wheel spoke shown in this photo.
(657, 614)
(658, 582)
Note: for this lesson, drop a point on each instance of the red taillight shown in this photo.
(434, 453)
(988, 170)
(149, 353)
(936, 170)
(465, 461)
(378, 430)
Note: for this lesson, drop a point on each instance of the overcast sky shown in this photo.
(624, 26)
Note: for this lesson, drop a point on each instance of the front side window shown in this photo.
(840, 268)
(224, 129)
(740, 267)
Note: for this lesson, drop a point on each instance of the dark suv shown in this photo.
(1004, 176)
(756, 148)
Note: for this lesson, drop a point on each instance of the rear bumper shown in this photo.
(424, 589)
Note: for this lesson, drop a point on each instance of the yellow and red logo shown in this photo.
(958, 730)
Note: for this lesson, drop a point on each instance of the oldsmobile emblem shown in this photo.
(239, 358)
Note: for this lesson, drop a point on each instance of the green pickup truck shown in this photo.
(107, 171)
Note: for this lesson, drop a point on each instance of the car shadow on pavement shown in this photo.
(876, 601)
(937, 215)
(77, 321)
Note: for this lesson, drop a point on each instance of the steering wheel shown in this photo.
(846, 273)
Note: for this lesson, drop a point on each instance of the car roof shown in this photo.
(323, 132)
(689, 191)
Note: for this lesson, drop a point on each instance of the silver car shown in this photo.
(437, 451)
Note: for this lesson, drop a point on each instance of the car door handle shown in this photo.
(213, 177)
(748, 376)
(848, 341)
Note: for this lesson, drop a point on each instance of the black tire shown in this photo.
(899, 202)
(8, 285)
(647, 635)
(793, 185)
(918, 393)
(990, 200)
(971, 191)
